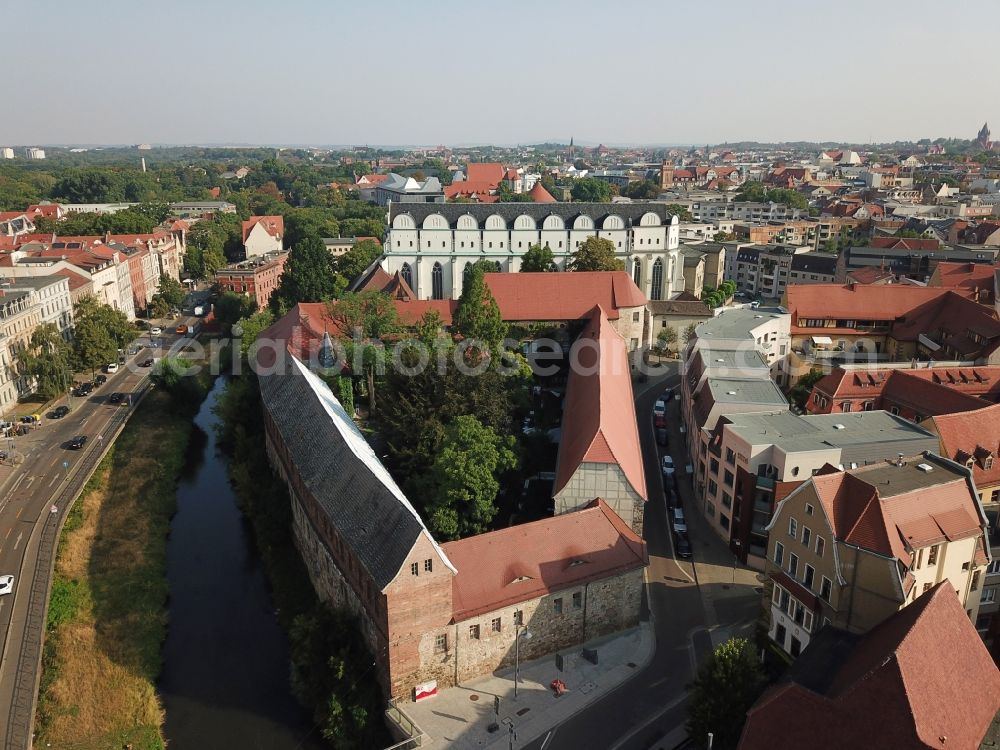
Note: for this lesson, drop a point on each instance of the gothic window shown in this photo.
(407, 274)
(637, 273)
(437, 284)
(657, 291)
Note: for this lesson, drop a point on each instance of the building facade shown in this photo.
(431, 246)
(256, 278)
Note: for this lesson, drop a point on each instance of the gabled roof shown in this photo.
(920, 680)
(563, 296)
(341, 471)
(970, 432)
(599, 417)
(487, 172)
(855, 301)
(530, 560)
(869, 275)
(273, 225)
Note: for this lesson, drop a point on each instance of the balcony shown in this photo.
(765, 483)
(762, 505)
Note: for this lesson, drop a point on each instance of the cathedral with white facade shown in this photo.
(432, 245)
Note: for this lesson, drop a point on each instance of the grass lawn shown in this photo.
(108, 613)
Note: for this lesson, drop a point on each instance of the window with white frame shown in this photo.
(793, 565)
(779, 553)
(806, 536)
(793, 528)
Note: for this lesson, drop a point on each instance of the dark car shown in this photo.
(84, 389)
(78, 442)
(116, 398)
(659, 421)
(683, 545)
(100, 380)
(59, 412)
(146, 362)
(661, 436)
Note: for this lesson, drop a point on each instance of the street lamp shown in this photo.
(518, 633)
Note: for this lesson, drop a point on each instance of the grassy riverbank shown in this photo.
(108, 613)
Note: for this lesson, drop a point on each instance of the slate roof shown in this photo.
(338, 467)
(824, 263)
(538, 211)
(921, 679)
(530, 560)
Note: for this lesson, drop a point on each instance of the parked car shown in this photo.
(155, 331)
(84, 389)
(668, 466)
(59, 412)
(659, 420)
(181, 329)
(660, 407)
(111, 368)
(668, 394)
(673, 498)
(661, 436)
(31, 418)
(116, 398)
(679, 523)
(78, 442)
(148, 362)
(6, 584)
(142, 325)
(683, 544)
(100, 380)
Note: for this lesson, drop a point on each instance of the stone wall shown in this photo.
(608, 482)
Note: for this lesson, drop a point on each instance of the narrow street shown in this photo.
(686, 598)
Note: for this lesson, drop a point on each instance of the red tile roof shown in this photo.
(868, 275)
(48, 210)
(273, 225)
(530, 560)
(963, 435)
(539, 194)
(599, 415)
(76, 280)
(855, 301)
(921, 679)
(563, 296)
(975, 279)
(486, 172)
(906, 243)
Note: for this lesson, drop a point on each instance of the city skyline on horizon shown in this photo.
(403, 75)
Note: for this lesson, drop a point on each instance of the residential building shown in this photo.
(975, 280)
(424, 608)
(780, 232)
(909, 263)
(678, 315)
(755, 460)
(431, 246)
(340, 245)
(255, 278)
(972, 439)
(919, 680)
(599, 454)
(263, 235)
(15, 223)
(34, 153)
(399, 189)
(812, 268)
(6, 152)
(853, 547)
(367, 183)
(897, 322)
(25, 304)
(766, 329)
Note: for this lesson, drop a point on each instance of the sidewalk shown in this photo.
(459, 717)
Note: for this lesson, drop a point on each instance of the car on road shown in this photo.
(668, 394)
(661, 436)
(660, 407)
(100, 380)
(31, 418)
(59, 412)
(6, 584)
(78, 442)
(155, 331)
(111, 368)
(142, 325)
(678, 521)
(148, 362)
(181, 329)
(116, 398)
(673, 498)
(84, 389)
(683, 544)
(659, 420)
(668, 466)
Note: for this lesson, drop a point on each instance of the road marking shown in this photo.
(54, 480)
(8, 533)
(670, 706)
(31, 479)
(20, 536)
(546, 740)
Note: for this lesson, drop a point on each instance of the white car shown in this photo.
(113, 367)
(660, 407)
(668, 466)
(155, 331)
(6, 584)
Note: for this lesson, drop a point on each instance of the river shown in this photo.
(224, 682)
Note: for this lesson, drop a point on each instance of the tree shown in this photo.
(727, 685)
(803, 387)
(596, 254)
(642, 190)
(231, 307)
(665, 339)
(538, 259)
(171, 290)
(370, 314)
(99, 331)
(724, 237)
(45, 361)
(690, 333)
(464, 478)
(478, 314)
(591, 190)
(309, 276)
(682, 214)
(429, 327)
(250, 328)
(355, 261)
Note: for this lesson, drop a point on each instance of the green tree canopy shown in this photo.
(370, 313)
(429, 327)
(231, 307)
(591, 190)
(171, 290)
(478, 314)
(464, 478)
(596, 254)
(353, 263)
(99, 331)
(727, 685)
(642, 190)
(309, 276)
(538, 259)
(46, 361)
(682, 214)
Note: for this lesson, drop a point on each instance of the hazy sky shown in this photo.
(439, 71)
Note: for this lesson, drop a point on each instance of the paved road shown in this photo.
(643, 712)
(50, 474)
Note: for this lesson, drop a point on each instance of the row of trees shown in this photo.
(717, 297)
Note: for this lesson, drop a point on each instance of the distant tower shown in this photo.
(666, 175)
(983, 139)
(571, 151)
